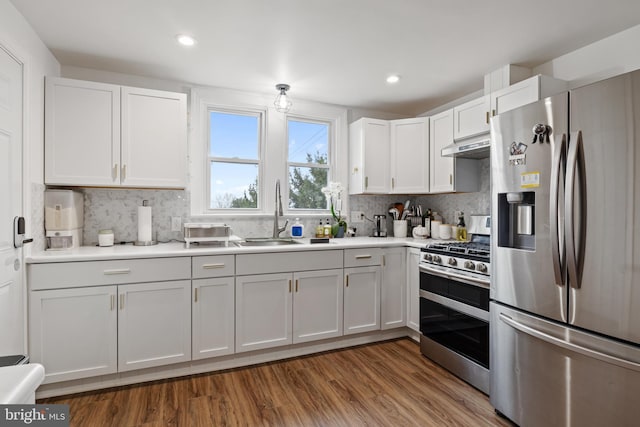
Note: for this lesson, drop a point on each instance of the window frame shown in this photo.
(209, 159)
(329, 165)
(273, 150)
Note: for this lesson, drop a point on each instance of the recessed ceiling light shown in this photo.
(185, 40)
(393, 78)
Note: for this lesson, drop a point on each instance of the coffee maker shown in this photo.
(63, 219)
(381, 226)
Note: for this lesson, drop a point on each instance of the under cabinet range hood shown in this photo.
(470, 148)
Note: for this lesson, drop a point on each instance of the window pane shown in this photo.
(305, 186)
(233, 185)
(233, 135)
(308, 142)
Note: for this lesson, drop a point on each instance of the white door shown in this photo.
(213, 317)
(12, 318)
(410, 156)
(361, 299)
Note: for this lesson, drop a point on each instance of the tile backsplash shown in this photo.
(116, 209)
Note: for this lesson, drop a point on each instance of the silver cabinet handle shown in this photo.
(195, 297)
(363, 256)
(113, 301)
(114, 173)
(607, 358)
(213, 266)
(121, 301)
(123, 172)
(117, 271)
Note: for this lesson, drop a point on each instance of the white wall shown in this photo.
(611, 56)
(17, 36)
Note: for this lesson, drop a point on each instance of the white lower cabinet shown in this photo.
(362, 299)
(284, 308)
(154, 324)
(393, 299)
(413, 289)
(213, 317)
(73, 332)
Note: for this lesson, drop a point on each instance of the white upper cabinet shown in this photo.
(154, 138)
(410, 155)
(82, 133)
(471, 118)
(100, 134)
(525, 92)
(369, 156)
(441, 168)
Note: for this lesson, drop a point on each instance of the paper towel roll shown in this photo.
(144, 223)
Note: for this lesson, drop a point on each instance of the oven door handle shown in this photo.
(485, 283)
(458, 306)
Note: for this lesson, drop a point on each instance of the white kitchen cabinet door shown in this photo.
(393, 298)
(213, 317)
(263, 311)
(413, 289)
(154, 324)
(154, 138)
(441, 168)
(73, 332)
(362, 299)
(471, 118)
(525, 92)
(369, 156)
(317, 305)
(82, 133)
(409, 155)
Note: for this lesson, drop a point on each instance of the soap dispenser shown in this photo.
(297, 229)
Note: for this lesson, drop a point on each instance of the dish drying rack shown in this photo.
(206, 232)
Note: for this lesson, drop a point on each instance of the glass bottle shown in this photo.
(461, 234)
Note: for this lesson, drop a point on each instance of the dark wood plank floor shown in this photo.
(382, 384)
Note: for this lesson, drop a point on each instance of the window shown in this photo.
(308, 157)
(240, 146)
(234, 159)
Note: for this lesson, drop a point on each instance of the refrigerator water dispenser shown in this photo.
(516, 220)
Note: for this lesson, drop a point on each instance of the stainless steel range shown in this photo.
(454, 303)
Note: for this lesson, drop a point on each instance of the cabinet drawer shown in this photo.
(362, 257)
(279, 262)
(212, 266)
(112, 272)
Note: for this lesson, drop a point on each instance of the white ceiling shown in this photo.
(334, 51)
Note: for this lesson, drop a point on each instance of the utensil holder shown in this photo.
(400, 228)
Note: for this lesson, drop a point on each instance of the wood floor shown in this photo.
(383, 384)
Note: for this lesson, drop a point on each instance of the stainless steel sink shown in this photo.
(266, 241)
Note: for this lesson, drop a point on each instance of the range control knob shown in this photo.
(428, 257)
(437, 259)
(452, 261)
(482, 268)
(469, 265)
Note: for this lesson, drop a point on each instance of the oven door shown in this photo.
(454, 324)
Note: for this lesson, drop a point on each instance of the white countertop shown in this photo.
(18, 383)
(173, 249)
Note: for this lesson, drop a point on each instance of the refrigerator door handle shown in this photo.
(575, 255)
(607, 358)
(556, 218)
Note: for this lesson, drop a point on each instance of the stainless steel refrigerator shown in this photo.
(565, 311)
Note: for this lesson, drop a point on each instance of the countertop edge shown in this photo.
(177, 249)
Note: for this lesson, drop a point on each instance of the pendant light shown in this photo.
(283, 101)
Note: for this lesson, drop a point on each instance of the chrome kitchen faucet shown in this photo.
(278, 212)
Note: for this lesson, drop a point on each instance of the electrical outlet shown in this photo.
(357, 216)
(176, 223)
